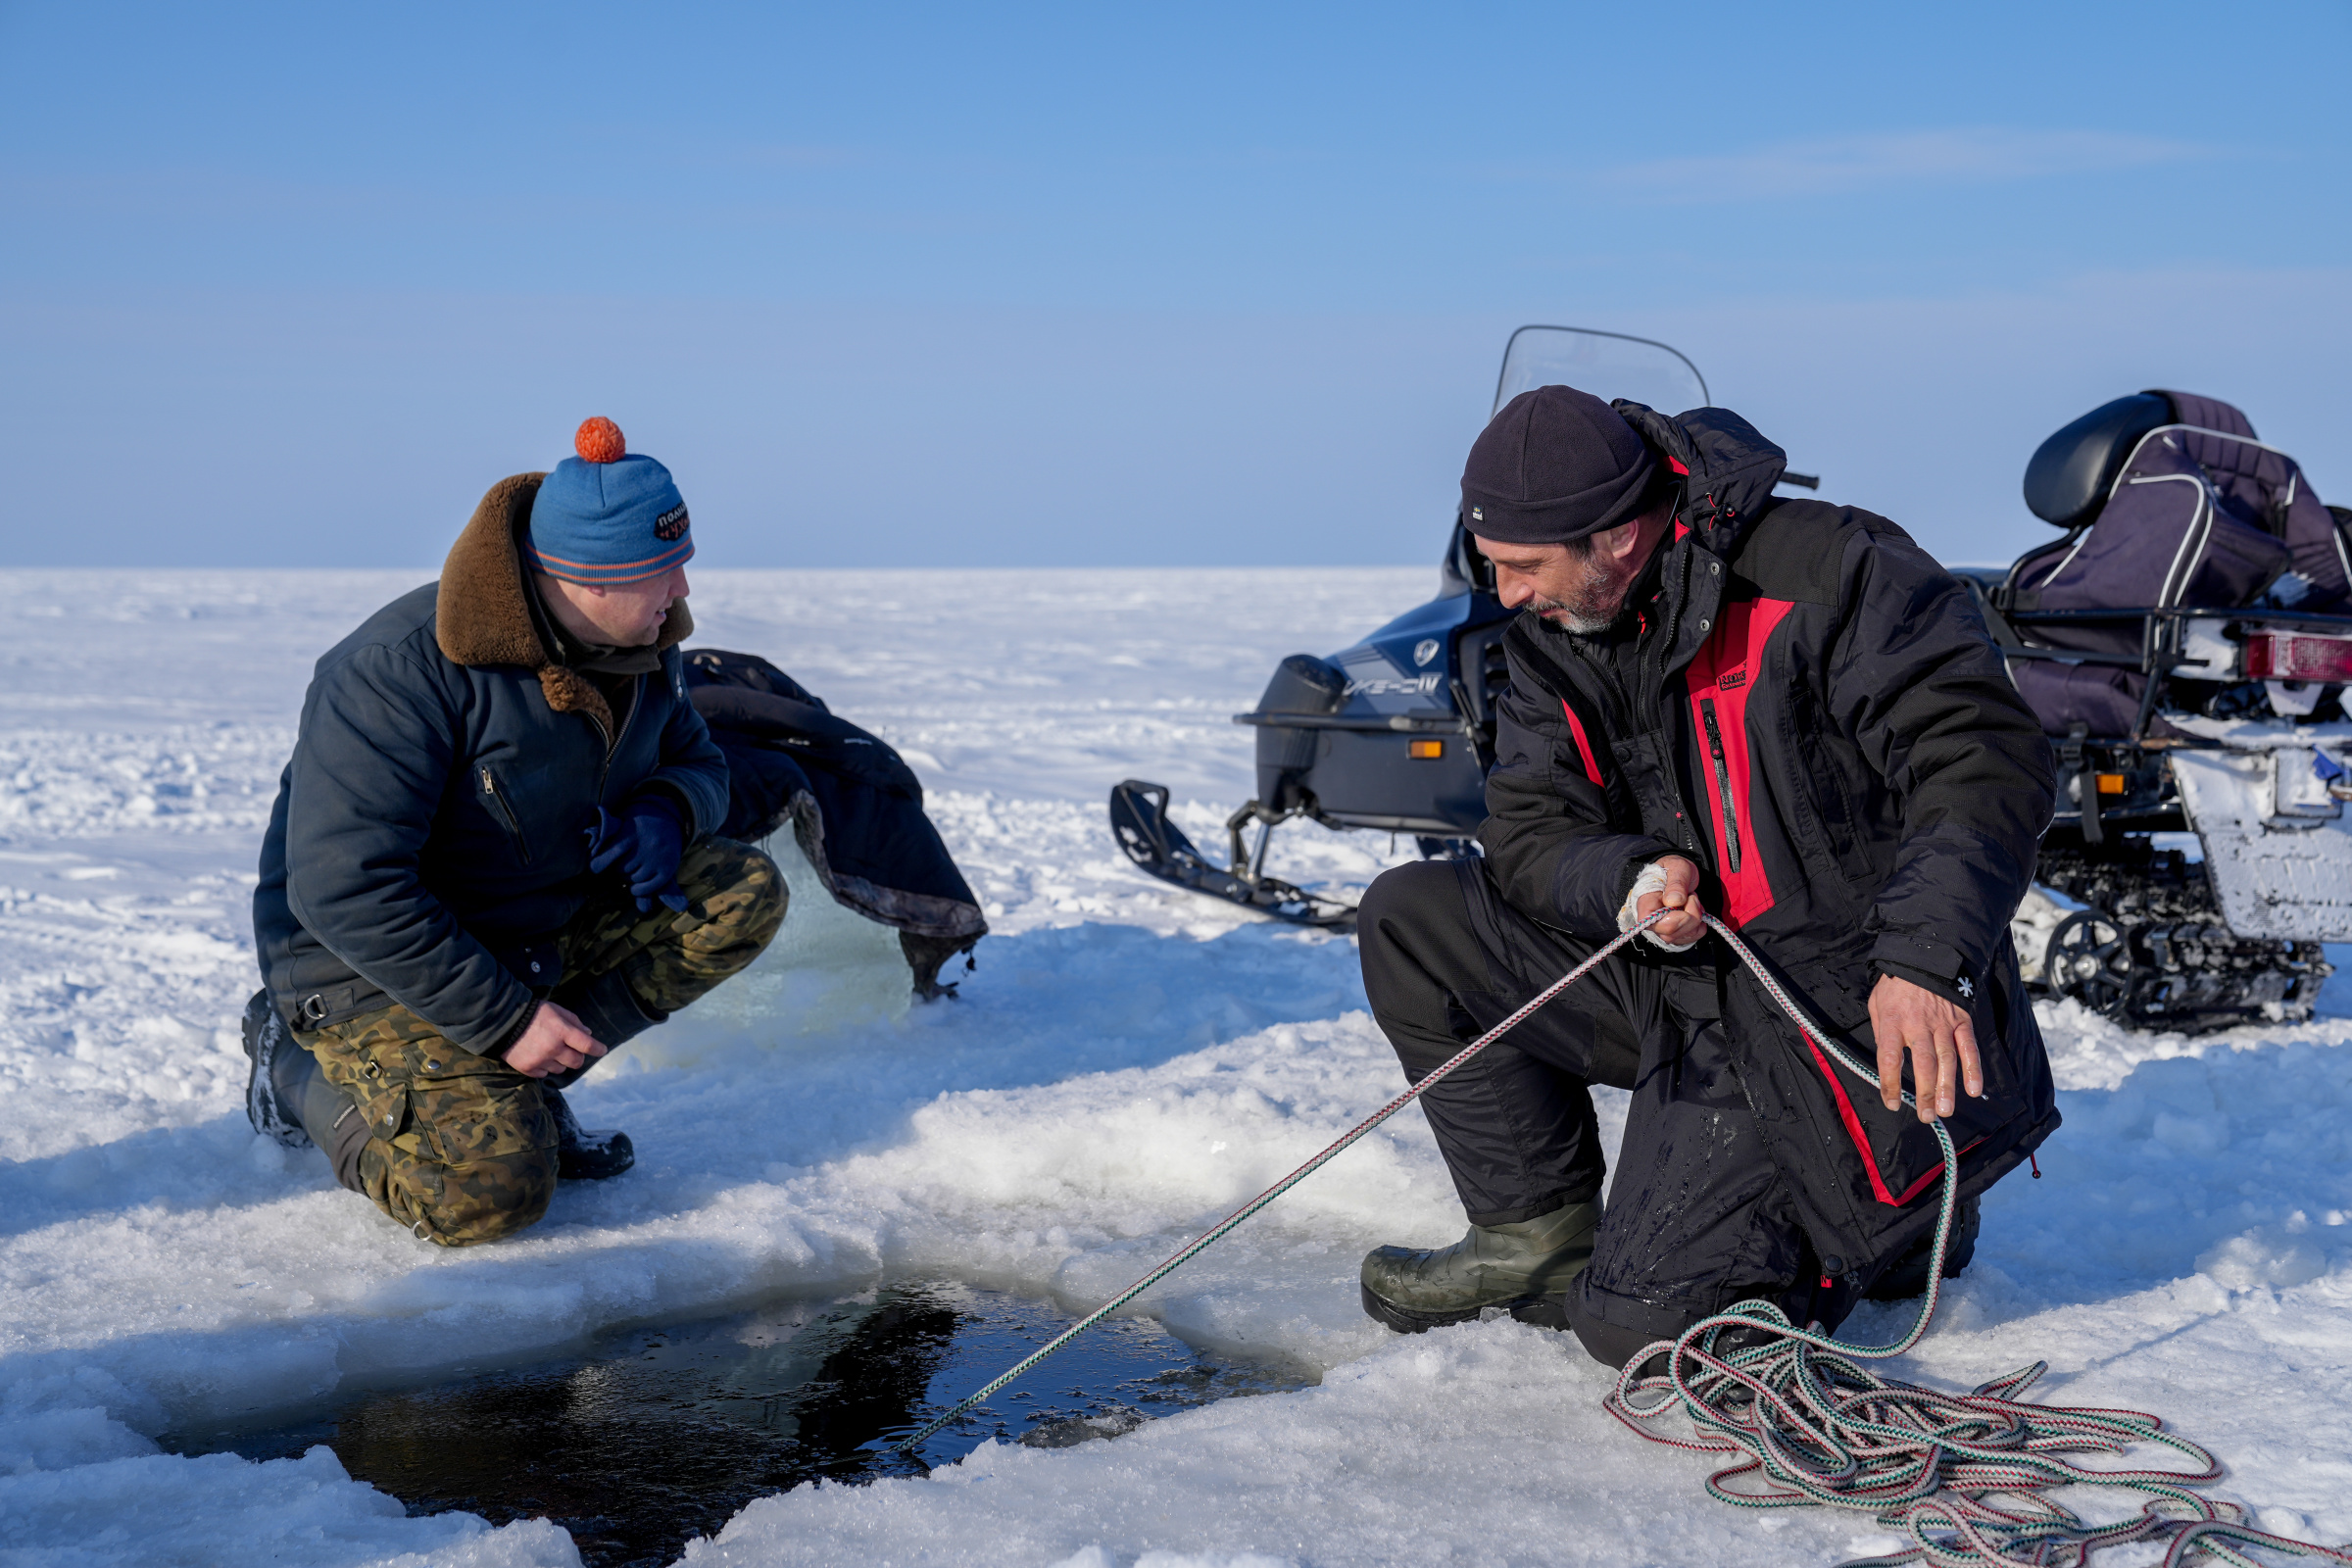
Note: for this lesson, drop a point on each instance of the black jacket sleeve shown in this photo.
(1916, 683)
(1547, 834)
(373, 758)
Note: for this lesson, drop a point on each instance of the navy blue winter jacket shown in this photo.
(429, 839)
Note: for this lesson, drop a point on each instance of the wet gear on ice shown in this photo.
(1804, 704)
(854, 804)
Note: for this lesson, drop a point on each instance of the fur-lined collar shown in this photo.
(483, 612)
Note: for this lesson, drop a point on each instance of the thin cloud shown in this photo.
(1835, 164)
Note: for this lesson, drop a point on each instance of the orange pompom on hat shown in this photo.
(607, 516)
(599, 440)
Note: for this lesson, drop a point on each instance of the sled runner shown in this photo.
(1139, 819)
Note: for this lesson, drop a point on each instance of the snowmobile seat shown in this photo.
(2169, 501)
(2070, 474)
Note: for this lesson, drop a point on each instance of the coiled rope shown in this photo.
(1966, 1476)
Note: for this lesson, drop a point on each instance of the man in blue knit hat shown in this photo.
(493, 857)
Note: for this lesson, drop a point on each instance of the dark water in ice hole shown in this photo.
(661, 1434)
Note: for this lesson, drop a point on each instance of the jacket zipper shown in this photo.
(506, 812)
(636, 700)
(1723, 783)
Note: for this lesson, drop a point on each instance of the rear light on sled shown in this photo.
(1428, 749)
(2298, 656)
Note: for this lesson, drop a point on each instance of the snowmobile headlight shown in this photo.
(1427, 747)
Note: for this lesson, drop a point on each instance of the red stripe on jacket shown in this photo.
(1854, 1130)
(1584, 746)
(1725, 672)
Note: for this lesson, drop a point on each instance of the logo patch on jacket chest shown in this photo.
(1733, 680)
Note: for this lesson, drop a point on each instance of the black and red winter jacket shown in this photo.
(1808, 706)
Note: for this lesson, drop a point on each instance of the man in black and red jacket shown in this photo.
(1783, 712)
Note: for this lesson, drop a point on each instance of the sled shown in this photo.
(2186, 644)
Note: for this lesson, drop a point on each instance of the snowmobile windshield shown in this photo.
(1607, 364)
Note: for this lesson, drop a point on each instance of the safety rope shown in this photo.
(1966, 1476)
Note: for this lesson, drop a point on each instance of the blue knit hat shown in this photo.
(605, 517)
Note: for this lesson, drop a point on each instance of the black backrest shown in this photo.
(2069, 476)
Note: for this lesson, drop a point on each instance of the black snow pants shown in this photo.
(1699, 1216)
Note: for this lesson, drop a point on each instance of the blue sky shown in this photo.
(1093, 286)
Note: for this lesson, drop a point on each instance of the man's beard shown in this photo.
(1589, 610)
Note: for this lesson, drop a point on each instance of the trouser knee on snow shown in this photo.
(1699, 1215)
(462, 1147)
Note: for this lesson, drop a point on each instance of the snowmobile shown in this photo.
(2187, 643)
(1395, 733)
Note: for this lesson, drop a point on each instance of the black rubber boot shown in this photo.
(334, 1123)
(272, 1070)
(584, 1154)
(1525, 1267)
(288, 1098)
(609, 1011)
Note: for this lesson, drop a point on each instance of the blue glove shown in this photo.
(644, 845)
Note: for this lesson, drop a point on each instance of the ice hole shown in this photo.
(661, 1432)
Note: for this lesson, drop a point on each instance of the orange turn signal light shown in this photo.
(2110, 783)
(1427, 747)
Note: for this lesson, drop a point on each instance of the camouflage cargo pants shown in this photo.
(463, 1147)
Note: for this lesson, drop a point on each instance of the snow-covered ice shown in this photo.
(1127, 1065)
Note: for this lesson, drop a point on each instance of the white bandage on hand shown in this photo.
(1651, 880)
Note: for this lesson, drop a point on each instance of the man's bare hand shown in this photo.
(553, 1042)
(1942, 1047)
(1682, 893)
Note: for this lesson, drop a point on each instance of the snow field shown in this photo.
(1128, 1064)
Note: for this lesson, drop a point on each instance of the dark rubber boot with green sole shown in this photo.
(1525, 1267)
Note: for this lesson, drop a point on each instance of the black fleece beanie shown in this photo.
(1554, 465)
